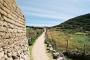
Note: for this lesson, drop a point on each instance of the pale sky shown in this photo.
(52, 12)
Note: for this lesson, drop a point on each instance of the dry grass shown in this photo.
(75, 42)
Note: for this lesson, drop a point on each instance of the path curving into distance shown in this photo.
(39, 49)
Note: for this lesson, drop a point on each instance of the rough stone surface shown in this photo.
(13, 42)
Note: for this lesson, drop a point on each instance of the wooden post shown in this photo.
(84, 49)
(66, 45)
(51, 38)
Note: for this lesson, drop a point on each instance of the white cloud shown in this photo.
(40, 25)
(55, 9)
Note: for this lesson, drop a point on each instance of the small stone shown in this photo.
(1, 54)
(14, 57)
(5, 56)
(9, 54)
(5, 51)
(21, 59)
(9, 59)
(1, 49)
(25, 57)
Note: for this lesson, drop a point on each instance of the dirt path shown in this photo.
(39, 49)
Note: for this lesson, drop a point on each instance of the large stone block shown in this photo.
(3, 12)
(1, 1)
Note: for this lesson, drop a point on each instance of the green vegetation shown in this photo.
(32, 33)
(72, 35)
(80, 23)
(30, 50)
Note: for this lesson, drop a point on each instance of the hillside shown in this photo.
(80, 23)
(71, 36)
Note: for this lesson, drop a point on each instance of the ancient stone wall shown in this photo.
(13, 43)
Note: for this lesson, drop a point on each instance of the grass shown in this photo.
(75, 41)
(33, 33)
(30, 50)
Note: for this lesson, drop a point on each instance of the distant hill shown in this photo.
(34, 27)
(80, 23)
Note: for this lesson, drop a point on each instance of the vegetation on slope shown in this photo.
(80, 23)
(75, 42)
(32, 33)
(72, 35)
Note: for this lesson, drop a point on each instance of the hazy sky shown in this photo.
(52, 12)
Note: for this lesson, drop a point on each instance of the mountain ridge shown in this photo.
(79, 23)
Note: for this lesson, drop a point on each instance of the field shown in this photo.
(63, 40)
